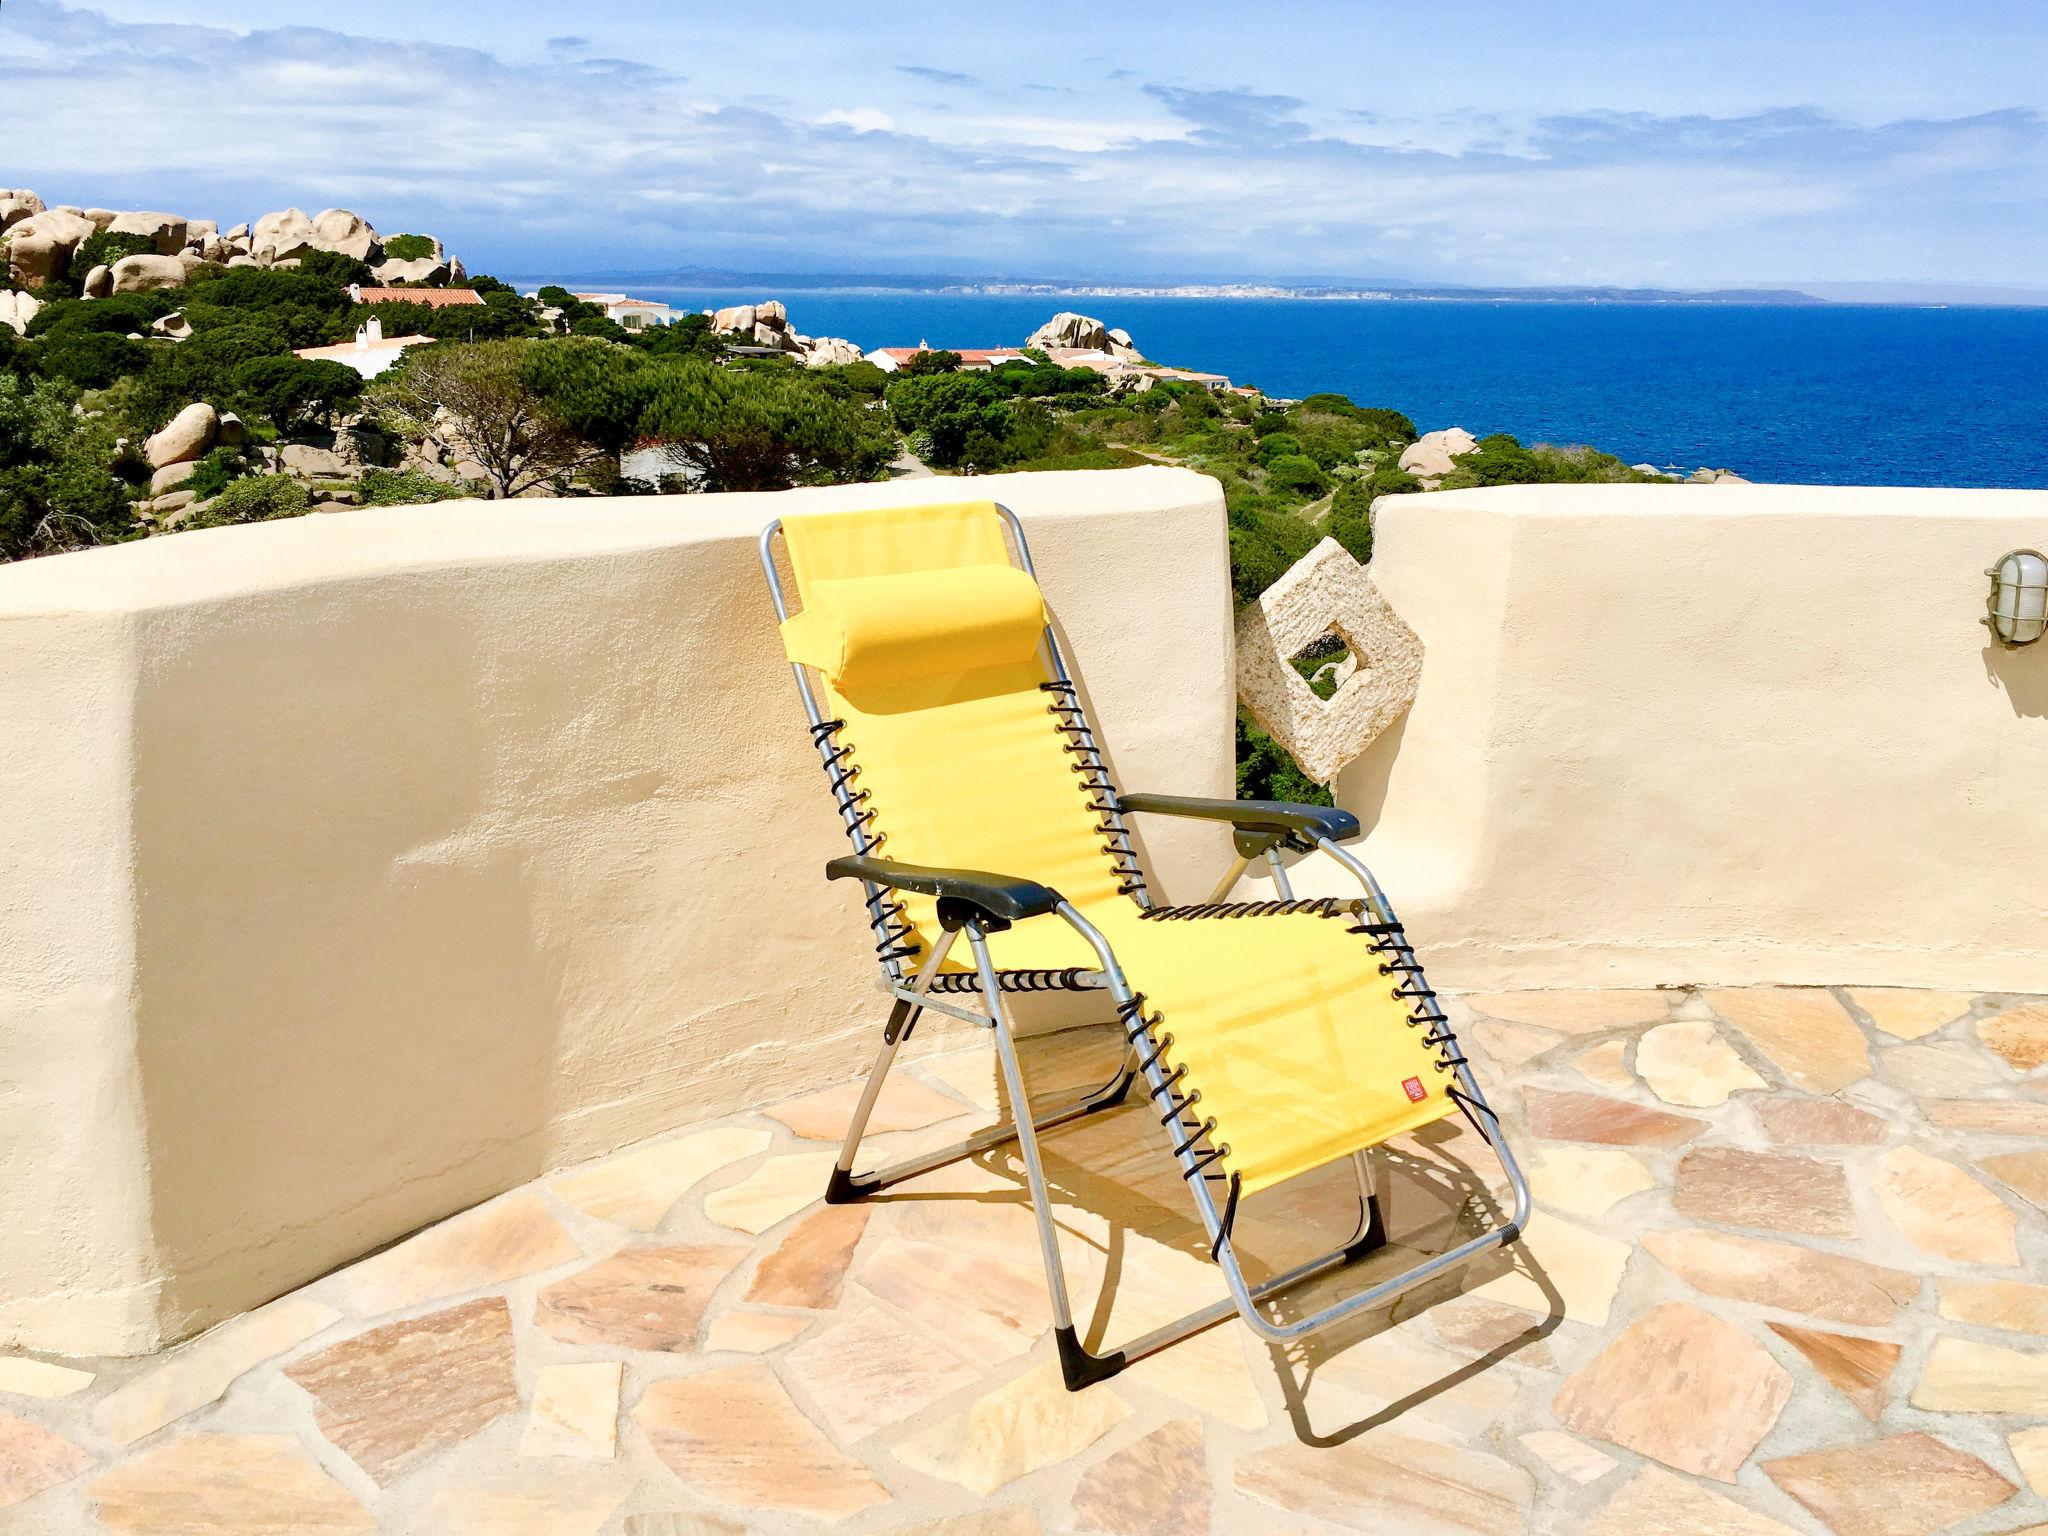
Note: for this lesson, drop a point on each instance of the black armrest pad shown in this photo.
(1001, 896)
(1276, 816)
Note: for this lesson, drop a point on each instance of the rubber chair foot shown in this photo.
(1080, 1368)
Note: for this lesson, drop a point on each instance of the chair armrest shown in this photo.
(1003, 898)
(1280, 820)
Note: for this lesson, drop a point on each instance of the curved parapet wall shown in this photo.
(363, 866)
(1738, 733)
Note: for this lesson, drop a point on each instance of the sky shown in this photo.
(1671, 144)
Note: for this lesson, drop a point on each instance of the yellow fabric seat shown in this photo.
(1296, 1042)
(925, 639)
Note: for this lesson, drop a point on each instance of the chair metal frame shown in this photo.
(912, 994)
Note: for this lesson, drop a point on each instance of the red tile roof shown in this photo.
(435, 298)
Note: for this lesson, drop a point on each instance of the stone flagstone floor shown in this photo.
(1789, 1273)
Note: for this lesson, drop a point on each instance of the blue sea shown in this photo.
(1826, 395)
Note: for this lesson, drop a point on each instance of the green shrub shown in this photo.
(409, 247)
(1295, 472)
(405, 488)
(216, 472)
(90, 359)
(1265, 770)
(254, 499)
(948, 409)
(105, 248)
(295, 394)
(1269, 421)
(1498, 460)
(1274, 444)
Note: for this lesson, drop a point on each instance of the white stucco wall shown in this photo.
(362, 866)
(1712, 734)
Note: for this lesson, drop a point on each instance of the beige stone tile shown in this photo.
(395, 1395)
(1803, 1030)
(1945, 1067)
(197, 1373)
(807, 1268)
(1569, 1456)
(972, 1073)
(225, 1485)
(1587, 1181)
(1906, 1485)
(525, 1504)
(1964, 1376)
(869, 1371)
(1783, 1193)
(1998, 1117)
(1208, 1372)
(1560, 1115)
(1784, 1276)
(2025, 1173)
(733, 1435)
(1908, 1014)
(1819, 1123)
(752, 1333)
(1505, 1046)
(904, 1104)
(1606, 1066)
(1857, 1368)
(1583, 1267)
(1660, 1503)
(1575, 1013)
(651, 1297)
(1396, 1365)
(1942, 1210)
(33, 1458)
(2030, 1450)
(515, 1236)
(1156, 1486)
(636, 1189)
(673, 1523)
(775, 1191)
(2020, 1035)
(991, 1309)
(38, 1378)
(2007, 1304)
(1682, 1386)
(1028, 1423)
(1473, 1328)
(575, 1411)
(1012, 1520)
(1688, 1063)
(1392, 1485)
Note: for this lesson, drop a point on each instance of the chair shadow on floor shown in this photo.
(1112, 1176)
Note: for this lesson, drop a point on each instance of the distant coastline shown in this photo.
(955, 285)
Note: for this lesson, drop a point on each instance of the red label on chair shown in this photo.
(1414, 1089)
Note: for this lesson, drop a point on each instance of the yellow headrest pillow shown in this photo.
(864, 630)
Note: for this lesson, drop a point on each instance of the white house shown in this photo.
(370, 353)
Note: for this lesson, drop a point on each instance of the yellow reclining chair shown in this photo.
(1273, 1038)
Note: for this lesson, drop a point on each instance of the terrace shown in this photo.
(426, 1033)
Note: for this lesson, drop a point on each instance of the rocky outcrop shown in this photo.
(1432, 456)
(282, 235)
(173, 327)
(1085, 332)
(165, 230)
(184, 437)
(99, 282)
(16, 204)
(1715, 477)
(308, 462)
(831, 352)
(345, 233)
(144, 274)
(17, 309)
(425, 269)
(229, 432)
(40, 247)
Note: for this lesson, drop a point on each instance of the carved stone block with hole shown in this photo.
(1323, 664)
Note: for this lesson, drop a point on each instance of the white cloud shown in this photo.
(570, 158)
